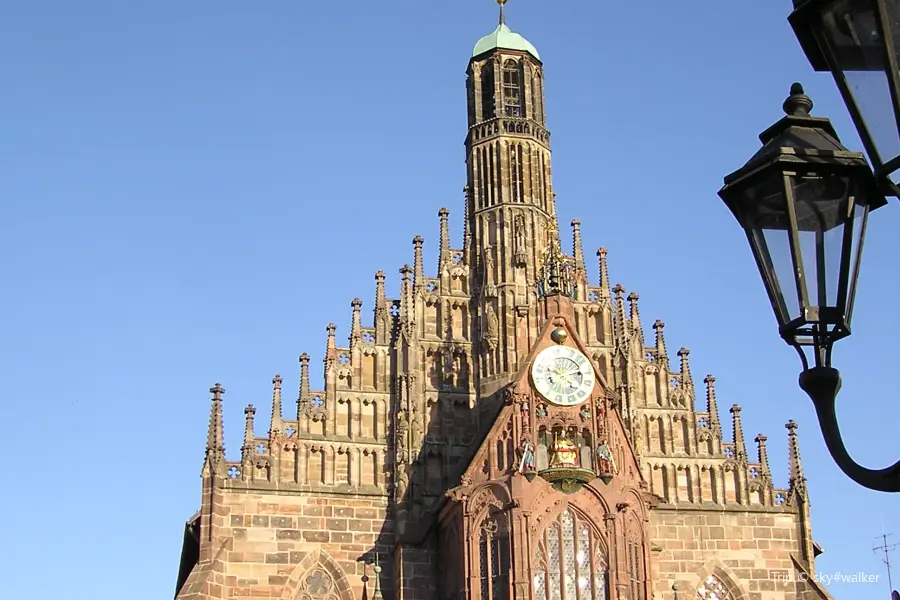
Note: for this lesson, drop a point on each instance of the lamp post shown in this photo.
(803, 200)
(858, 41)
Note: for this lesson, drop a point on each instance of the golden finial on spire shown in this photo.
(502, 17)
(555, 273)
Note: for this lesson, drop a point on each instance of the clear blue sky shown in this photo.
(191, 191)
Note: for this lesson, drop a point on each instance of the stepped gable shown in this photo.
(503, 430)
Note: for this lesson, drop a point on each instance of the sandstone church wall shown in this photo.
(746, 549)
(273, 533)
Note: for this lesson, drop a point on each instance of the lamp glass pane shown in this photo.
(860, 215)
(850, 32)
(765, 218)
(823, 206)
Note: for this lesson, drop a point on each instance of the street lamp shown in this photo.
(858, 41)
(803, 201)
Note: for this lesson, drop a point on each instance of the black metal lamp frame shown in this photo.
(817, 24)
(804, 182)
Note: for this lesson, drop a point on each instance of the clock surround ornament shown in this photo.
(563, 375)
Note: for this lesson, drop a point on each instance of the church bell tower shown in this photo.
(511, 213)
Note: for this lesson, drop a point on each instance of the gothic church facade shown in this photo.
(503, 430)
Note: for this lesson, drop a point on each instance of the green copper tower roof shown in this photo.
(503, 37)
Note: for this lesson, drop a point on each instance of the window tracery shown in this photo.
(516, 179)
(512, 89)
(634, 571)
(494, 559)
(635, 560)
(571, 561)
(318, 585)
(713, 589)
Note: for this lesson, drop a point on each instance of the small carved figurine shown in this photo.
(520, 253)
(402, 483)
(605, 460)
(400, 439)
(526, 451)
(524, 409)
(540, 410)
(492, 328)
(565, 453)
(638, 440)
(584, 413)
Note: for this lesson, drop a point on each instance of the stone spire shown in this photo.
(661, 353)
(214, 461)
(330, 346)
(619, 318)
(303, 396)
(380, 300)
(740, 447)
(444, 249)
(406, 307)
(763, 457)
(686, 378)
(578, 249)
(635, 317)
(419, 269)
(276, 425)
(604, 273)
(383, 319)
(249, 436)
(797, 480)
(247, 448)
(711, 406)
(355, 321)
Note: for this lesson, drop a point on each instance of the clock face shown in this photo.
(563, 375)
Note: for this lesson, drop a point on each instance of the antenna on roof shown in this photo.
(886, 549)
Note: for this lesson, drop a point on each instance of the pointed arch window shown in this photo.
(537, 98)
(713, 589)
(571, 561)
(635, 571)
(516, 178)
(512, 89)
(487, 92)
(634, 558)
(494, 559)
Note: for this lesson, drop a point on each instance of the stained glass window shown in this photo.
(570, 563)
(713, 589)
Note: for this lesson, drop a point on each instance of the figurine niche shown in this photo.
(606, 463)
(526, 460)
(565, 472)
(565, 453)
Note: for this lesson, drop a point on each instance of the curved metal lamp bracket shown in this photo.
(822, 385)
